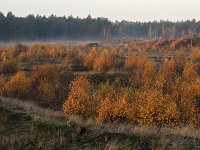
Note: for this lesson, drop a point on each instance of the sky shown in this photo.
(130, 10)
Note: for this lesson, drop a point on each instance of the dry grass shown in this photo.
(112, 145)
(30, 107)
(164, 143)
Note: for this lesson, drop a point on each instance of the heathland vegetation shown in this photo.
(134, 82)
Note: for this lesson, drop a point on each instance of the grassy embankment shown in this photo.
(24, 125)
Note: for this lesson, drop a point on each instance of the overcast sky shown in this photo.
(131, 10)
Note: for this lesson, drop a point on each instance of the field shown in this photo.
(121, 94)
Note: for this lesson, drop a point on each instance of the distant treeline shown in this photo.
(54, 28)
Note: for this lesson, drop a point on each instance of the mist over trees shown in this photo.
(32, 27)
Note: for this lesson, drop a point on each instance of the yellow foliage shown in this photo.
(166, 74)
(45, 72)
(46, 84)
(189, 102)
(195, 56)
(104, 111)
(3, 56)
(155, 109)
(89, 58)
(2, 84)
(104, 61)
(112, 109)
(130, 63)
(46, 91)
(190, 71)
(80, 100)
(18, 86)
(10, 66)
(121, 111)
(143, 72)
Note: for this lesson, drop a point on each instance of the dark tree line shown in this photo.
(51, 28)
(165, 29)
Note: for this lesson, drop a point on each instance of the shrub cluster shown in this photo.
(161, 96)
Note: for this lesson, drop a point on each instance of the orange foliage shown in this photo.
(104, 61)
(18, 86)
(166, 74)
(89, 58)
(190, 71)
(104, 111)
(130, 63)
(80, 100)
(10, 66)
(143, 72)
(154, 108)
(121, 110)
(46, 84)
(195, 56)
(46, 91)
(114, 109)
(165, 94)
(2, 84)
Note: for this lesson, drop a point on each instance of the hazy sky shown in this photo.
(132, 10)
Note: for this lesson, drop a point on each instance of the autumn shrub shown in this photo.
(183, 89)
(46, 85)
(74, 59)
(104, 110)
(19, 86)
(105, 61)
(143, 72)
(80, 100)
(130, 63)
(172, 101)
(190, 94)
(190, 71)
(121, 110)
(19, 48)
(4, 56)
(35, 51)
(189, 103)
(166, 75)
(89, 58)
(45, 72)
(46, 92)
(195, 54)
(153, 108)
(114, 105)
(106, 89)
(2, 86)
(10, 66)
(23, 56)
